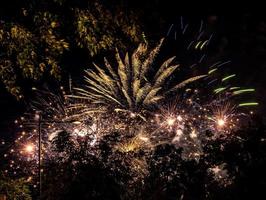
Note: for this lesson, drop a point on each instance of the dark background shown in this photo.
(239, 37)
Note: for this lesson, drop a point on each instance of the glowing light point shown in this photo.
(170, 121)
(29, 148)
(37, 116)
(178, 135)
(29, 179)
(179, 118)
(220, 122)
(76, 122)
(132, 115)
(193, 134)
(143, 138)
(81, 132)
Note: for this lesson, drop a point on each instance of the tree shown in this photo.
(33, 43)
(16, 189)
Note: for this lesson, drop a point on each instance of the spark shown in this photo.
(218, 90)
(29, 179)
(197, 45)
(243, 91)
(37, 116)
(234, 88)
(29, 148)
(248, 104)
(76, 122)
(179, 118)
(228, 77)
(132, 115)
(220, 122)
(193, 134)
(203, 44)
(143, 138)
(81, 132)
(220, 174)
(212, 70)
(170, 121)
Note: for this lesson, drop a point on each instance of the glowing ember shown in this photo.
(29, 148)
(220, 122)
(170, 121)
(179, 118)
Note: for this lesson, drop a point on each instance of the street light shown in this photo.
(38, 117)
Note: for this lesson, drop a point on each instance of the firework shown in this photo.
(134, 108)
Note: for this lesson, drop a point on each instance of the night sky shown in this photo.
(237, 37)
(240, 38)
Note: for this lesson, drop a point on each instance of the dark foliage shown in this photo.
(170, 177)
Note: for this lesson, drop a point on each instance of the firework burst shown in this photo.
(130, 87)
(134, 108)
